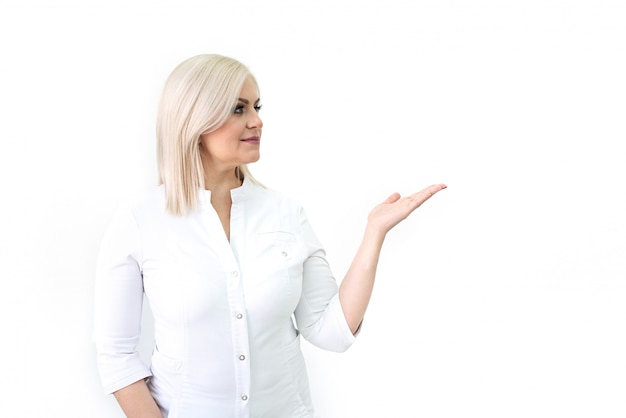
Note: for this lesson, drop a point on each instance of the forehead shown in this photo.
(249, 90)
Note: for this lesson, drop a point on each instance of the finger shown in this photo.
(392, 198)
(427, 193)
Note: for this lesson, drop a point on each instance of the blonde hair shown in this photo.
(198, 97)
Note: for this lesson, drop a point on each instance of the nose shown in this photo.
(255, 121)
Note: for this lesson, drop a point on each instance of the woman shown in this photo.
(232, 270)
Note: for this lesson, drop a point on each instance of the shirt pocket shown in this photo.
(276, 257)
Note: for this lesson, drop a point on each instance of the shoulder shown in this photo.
(272, 209)
(273, 197)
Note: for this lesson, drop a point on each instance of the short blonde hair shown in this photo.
(198, 97)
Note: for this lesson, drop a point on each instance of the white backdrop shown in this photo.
(503, 296)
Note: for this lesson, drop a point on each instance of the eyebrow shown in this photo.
(246, 101)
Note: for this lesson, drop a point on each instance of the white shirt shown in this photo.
(226, 344)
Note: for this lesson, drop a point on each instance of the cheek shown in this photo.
(220, 140)
(230, 133)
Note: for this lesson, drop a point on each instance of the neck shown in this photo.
(216, 181)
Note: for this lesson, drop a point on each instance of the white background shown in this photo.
(503, 296)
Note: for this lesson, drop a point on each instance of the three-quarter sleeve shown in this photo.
(319, 315)
(118, 304)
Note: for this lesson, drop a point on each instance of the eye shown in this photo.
(238, 109)
(258, 107)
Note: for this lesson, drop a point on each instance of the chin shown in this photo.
(253, 159)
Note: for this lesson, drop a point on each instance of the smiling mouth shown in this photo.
(252, 140)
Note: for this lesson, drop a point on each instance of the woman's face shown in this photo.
(237, 141)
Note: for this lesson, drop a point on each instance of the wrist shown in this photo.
(375, 232)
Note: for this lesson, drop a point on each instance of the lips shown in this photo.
(252, 140)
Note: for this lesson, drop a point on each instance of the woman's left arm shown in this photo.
(355, 290)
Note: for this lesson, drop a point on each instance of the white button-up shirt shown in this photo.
(226, 344)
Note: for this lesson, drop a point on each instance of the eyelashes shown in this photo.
(239, 109)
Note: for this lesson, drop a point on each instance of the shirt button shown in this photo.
(234, 273)
(284, 254)
(239, 316)
(242, 357)
(244, 397)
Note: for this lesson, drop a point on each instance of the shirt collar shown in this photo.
(238, 194)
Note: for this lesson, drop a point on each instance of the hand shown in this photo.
(395, 208)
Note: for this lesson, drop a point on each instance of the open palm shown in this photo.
(395, 208)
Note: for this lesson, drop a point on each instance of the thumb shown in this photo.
(392, 198)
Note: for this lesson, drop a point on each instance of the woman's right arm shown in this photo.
(137, 402)
(117, 317)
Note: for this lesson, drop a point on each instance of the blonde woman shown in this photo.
(225, 264)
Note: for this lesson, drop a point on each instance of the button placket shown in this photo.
(238, 313)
